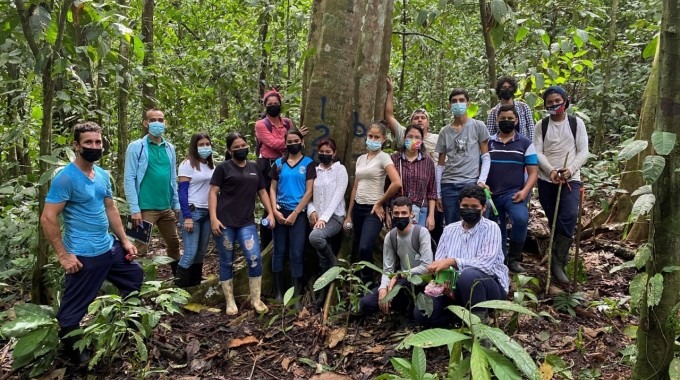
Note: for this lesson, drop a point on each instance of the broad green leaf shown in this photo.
(162, 260)
(629, 151)
(663, 142)
(497, 34)
(505, 305)
(138, 48)
(644, 189)
(288, 296)
(371, 265)
(31, 341)
(22, 326)
(465, 315)
(545, 37)
(636, 288)
(472, 110)
(391, 294)
(435, 338)
(583, 35)
(31, 309)
(499, 10)
(559, 366)
(478, 363)
(670, 268)
(424, 303)
(539, 80)
(650, 49)
(655, 290)
(47, 175)
(642, 256)
(674, 369)
(39, 20)
(652, 167)
(459, 370)
(328, 277)
(52, 160)
(502, 367)
(512, 350)
(521, 33)
(418, 363)
(643, 205)
(402, 366)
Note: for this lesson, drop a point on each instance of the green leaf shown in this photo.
(48, 175)
(24, 325)
(326, 278)
(162, 260)
(652, 167)
(391, 294)
(472, 110)
(31, 341)
(502, 367)
(505, 305)
(434, 338)
(663, 142)
(511, 349)
(650, 49)
(39, 20)
(288, 296)
(545, 37)
(642, 256)
(418, 363)
(643, 205)
(625, 265)
(655, 290)
(31, 309)
(52, 160)
(141, 348)
(402, 366)
(521, 33)
(583, 35)
(499, 10)
(633, 148)
(465, 315)
(497, 34)
(370, 265)
(478, 363)
(636, 288)
(674, 369)
(644, 189)
(424, 303)
(670, 268)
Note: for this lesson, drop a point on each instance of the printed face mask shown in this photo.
(412, 144)
(458, 109)
(156, 128)
(556, 109)
(204, 151)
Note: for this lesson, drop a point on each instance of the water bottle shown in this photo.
(348, 226)
(264, 222)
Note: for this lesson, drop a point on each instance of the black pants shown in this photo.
(264, 165)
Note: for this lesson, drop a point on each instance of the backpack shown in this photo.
(572, 125)
(286, 123)
(415, 238)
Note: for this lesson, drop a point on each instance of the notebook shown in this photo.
(141, 233)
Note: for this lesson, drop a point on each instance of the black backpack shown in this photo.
(286, 123)
(415, 238)
(572, 125)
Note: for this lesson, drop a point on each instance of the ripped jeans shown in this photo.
(250, 245)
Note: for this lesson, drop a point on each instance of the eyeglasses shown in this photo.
(158, 119)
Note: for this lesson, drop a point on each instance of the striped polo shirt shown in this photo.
(508, 163)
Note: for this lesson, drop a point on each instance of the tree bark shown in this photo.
(488, 23)
(601, 126)
(659, 325)
(149, 82)
(264, 63)
(122, 107)
(14, 104)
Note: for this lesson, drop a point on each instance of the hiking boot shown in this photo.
(182, 277)
(255, 284)
(195, 274)
(515, 257)
(278, 286)
(76, 357)
(299, 290)
(173, 268)
(560, 257)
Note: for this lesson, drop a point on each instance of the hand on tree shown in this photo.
(390, 85)
(303, 130)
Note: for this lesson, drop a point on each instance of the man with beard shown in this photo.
(506, 87)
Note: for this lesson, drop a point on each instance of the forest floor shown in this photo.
(594, 343)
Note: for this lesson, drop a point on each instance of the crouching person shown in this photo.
(471, 246)
(408, 244)
(81, 193)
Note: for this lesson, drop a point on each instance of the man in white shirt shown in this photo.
(555, 137)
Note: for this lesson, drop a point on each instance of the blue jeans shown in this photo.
(421, 215)
(451, 201)
(290, 239)
(367, 228)
(519, 218)
(196, 241)
(569, 201)
(250, 246)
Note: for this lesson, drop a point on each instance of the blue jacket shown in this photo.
(136, 162)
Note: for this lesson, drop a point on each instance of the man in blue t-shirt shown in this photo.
(512, 175)
(81, 194)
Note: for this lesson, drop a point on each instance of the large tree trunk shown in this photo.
(601, 126)
(148, 83)
(659, 325)
(343, 86)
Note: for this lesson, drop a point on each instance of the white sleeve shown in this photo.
(185, 169)
(486, 165)
(438, 171)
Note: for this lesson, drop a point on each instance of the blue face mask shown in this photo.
(204, 151)
(156, 128)
(458, 109)
(373, 145)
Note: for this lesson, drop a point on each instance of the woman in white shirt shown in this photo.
(327, 208)
(194, 176)
(366, 212)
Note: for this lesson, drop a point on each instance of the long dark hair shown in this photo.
(194, 158)
(231, 137)
(422, 135)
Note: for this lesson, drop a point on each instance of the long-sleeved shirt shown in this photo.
(273, 144)
(417, 178)
(329, 192)
(416, 262)
(478, 247)
(526, 120)
(558, 141)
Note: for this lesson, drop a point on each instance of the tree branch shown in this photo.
(26, 27)
(417, 34)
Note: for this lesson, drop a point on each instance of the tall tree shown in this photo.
(149, 83)
(659, 315)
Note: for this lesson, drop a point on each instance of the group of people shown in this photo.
(429, 182)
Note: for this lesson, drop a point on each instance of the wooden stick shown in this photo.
(327, 303)
(579, 228)
(552, 231)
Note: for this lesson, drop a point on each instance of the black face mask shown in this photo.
(401, 222)
(506, 126)
(506, 93)
(240, 154)
(471, 216)
(325, 158)
(294, 148)
(274, 110)
(91, 154)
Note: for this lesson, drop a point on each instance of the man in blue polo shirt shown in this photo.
(81, 193)
(512, 175)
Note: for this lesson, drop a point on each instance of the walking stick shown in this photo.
(579, 228)
(552, 231)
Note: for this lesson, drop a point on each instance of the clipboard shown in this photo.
(141, 233)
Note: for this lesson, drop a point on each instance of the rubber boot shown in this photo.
(560, 257)
(299, 290)
(195, 274)
(278, 286)
(255, 284)
(76, 357)
(182, 277)
(173, 268)
(228, 290)
(515, 257)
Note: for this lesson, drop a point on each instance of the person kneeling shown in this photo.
(473, 248)
(409, 244)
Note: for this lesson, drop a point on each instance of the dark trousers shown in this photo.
(81, 288)
(264, 165)
(367, 228)
(402, 302)
(568, 211)
(473, 286)
(290, 239)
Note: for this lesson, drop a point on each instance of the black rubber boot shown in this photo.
(278, 286)
(75, 356)
(173, 268)
(515, 257)
(182, 277)
(196, 273)
(299, 290)
(560, 257)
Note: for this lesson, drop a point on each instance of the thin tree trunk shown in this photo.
(402, 74)
(264, 60)
(12, 112)
(122, 107)
(488, 22)
(601, 126)
(148, 83)
(658, 326)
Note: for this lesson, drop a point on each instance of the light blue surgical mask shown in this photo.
(373, 145)
(458, 109)
(204, 151)
(156, 128)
